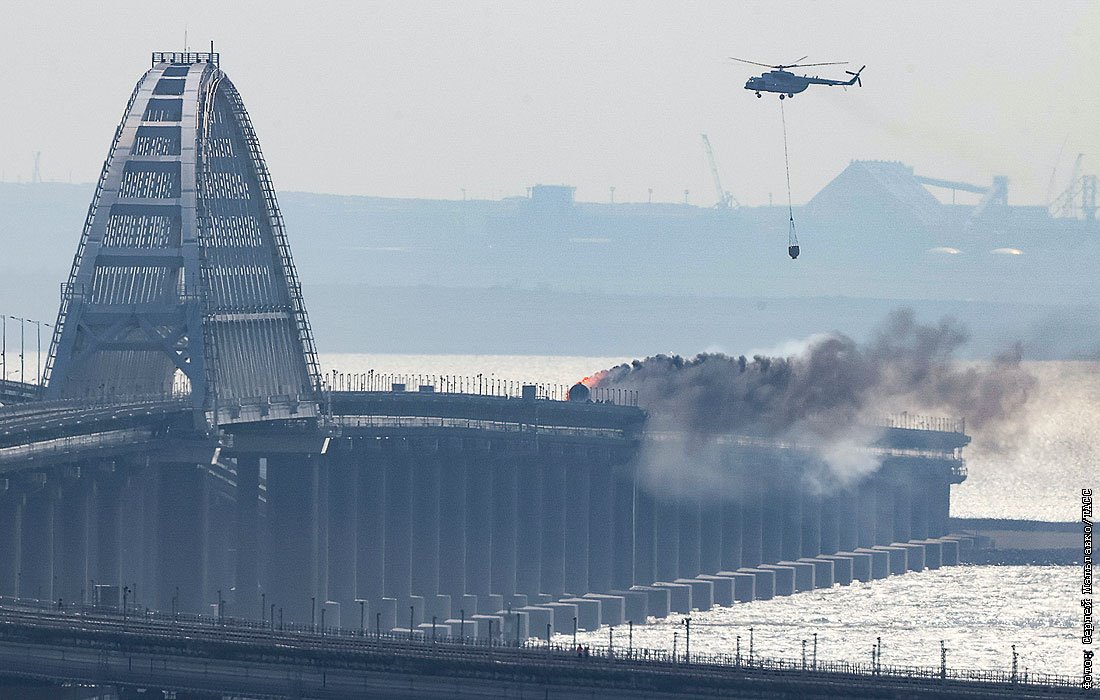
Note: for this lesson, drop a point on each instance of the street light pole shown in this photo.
(21, 345)
(687, 644)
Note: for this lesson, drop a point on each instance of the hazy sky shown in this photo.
(424, 99)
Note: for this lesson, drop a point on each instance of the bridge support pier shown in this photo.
(371, 520)
(479, 526)
(505, 527)
(690, 532)
(36, 548)
(293, 555)
(812, 526)
(247, 578)
(619, 539)
(884, 510)
(452, 527)
(710, 540)
(772, 528)
(553, 525)
(580, 477)
(11, 509)
(181, 536)
(866, 513)
(645, 543)
(71, 542)
(398, 567)
(666, 539)
(108, 526)
(790, 515)
(425, 528)
(848, 519)
(528, 527)
(752, 529)
(830, 514)
(731, 533)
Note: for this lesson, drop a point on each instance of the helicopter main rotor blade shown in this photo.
(830, 63)
(801, 59)
(765, 65)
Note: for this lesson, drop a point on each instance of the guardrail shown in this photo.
(472, 424)
(478, 385)
(424, 643)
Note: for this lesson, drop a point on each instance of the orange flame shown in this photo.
(591, 381)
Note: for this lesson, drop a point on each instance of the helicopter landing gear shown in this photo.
(758, 94)
(790, 95)
(782, 97)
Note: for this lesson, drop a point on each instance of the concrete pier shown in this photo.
(722, 589)
(880, 561)
(914, 555)
(181, 539)
(505, 528)
(899, 560)
(577, 508)
(679, 596)
(842, 567)
(803, 575)
(588, 612)
(553, 526)
(528, 529)
(636, 605)
(764, 587)
(479, 526)
(862, 565)
(933, 553)
(702, 592)
(824, 573)
(612, 608)
(784, 578)
(659, 600)
(744, 585)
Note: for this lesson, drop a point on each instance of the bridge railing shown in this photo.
(92, 402)
(910, 421)
(478, 384)
(425, 643)
(472, 424)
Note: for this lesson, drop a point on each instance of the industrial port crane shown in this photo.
(725, 199)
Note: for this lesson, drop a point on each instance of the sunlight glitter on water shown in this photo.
(978, 611)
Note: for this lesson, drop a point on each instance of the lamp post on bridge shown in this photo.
(22, 331)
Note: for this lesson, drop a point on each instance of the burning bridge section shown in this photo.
(465, 514)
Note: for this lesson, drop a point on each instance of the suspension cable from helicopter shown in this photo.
(792, 238)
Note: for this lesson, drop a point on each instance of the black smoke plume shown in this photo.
(832, 395)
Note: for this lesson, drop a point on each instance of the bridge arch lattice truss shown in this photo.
(183, 281)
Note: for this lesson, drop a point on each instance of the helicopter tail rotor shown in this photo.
(855, 76)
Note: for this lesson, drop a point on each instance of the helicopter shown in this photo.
(787, 84)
